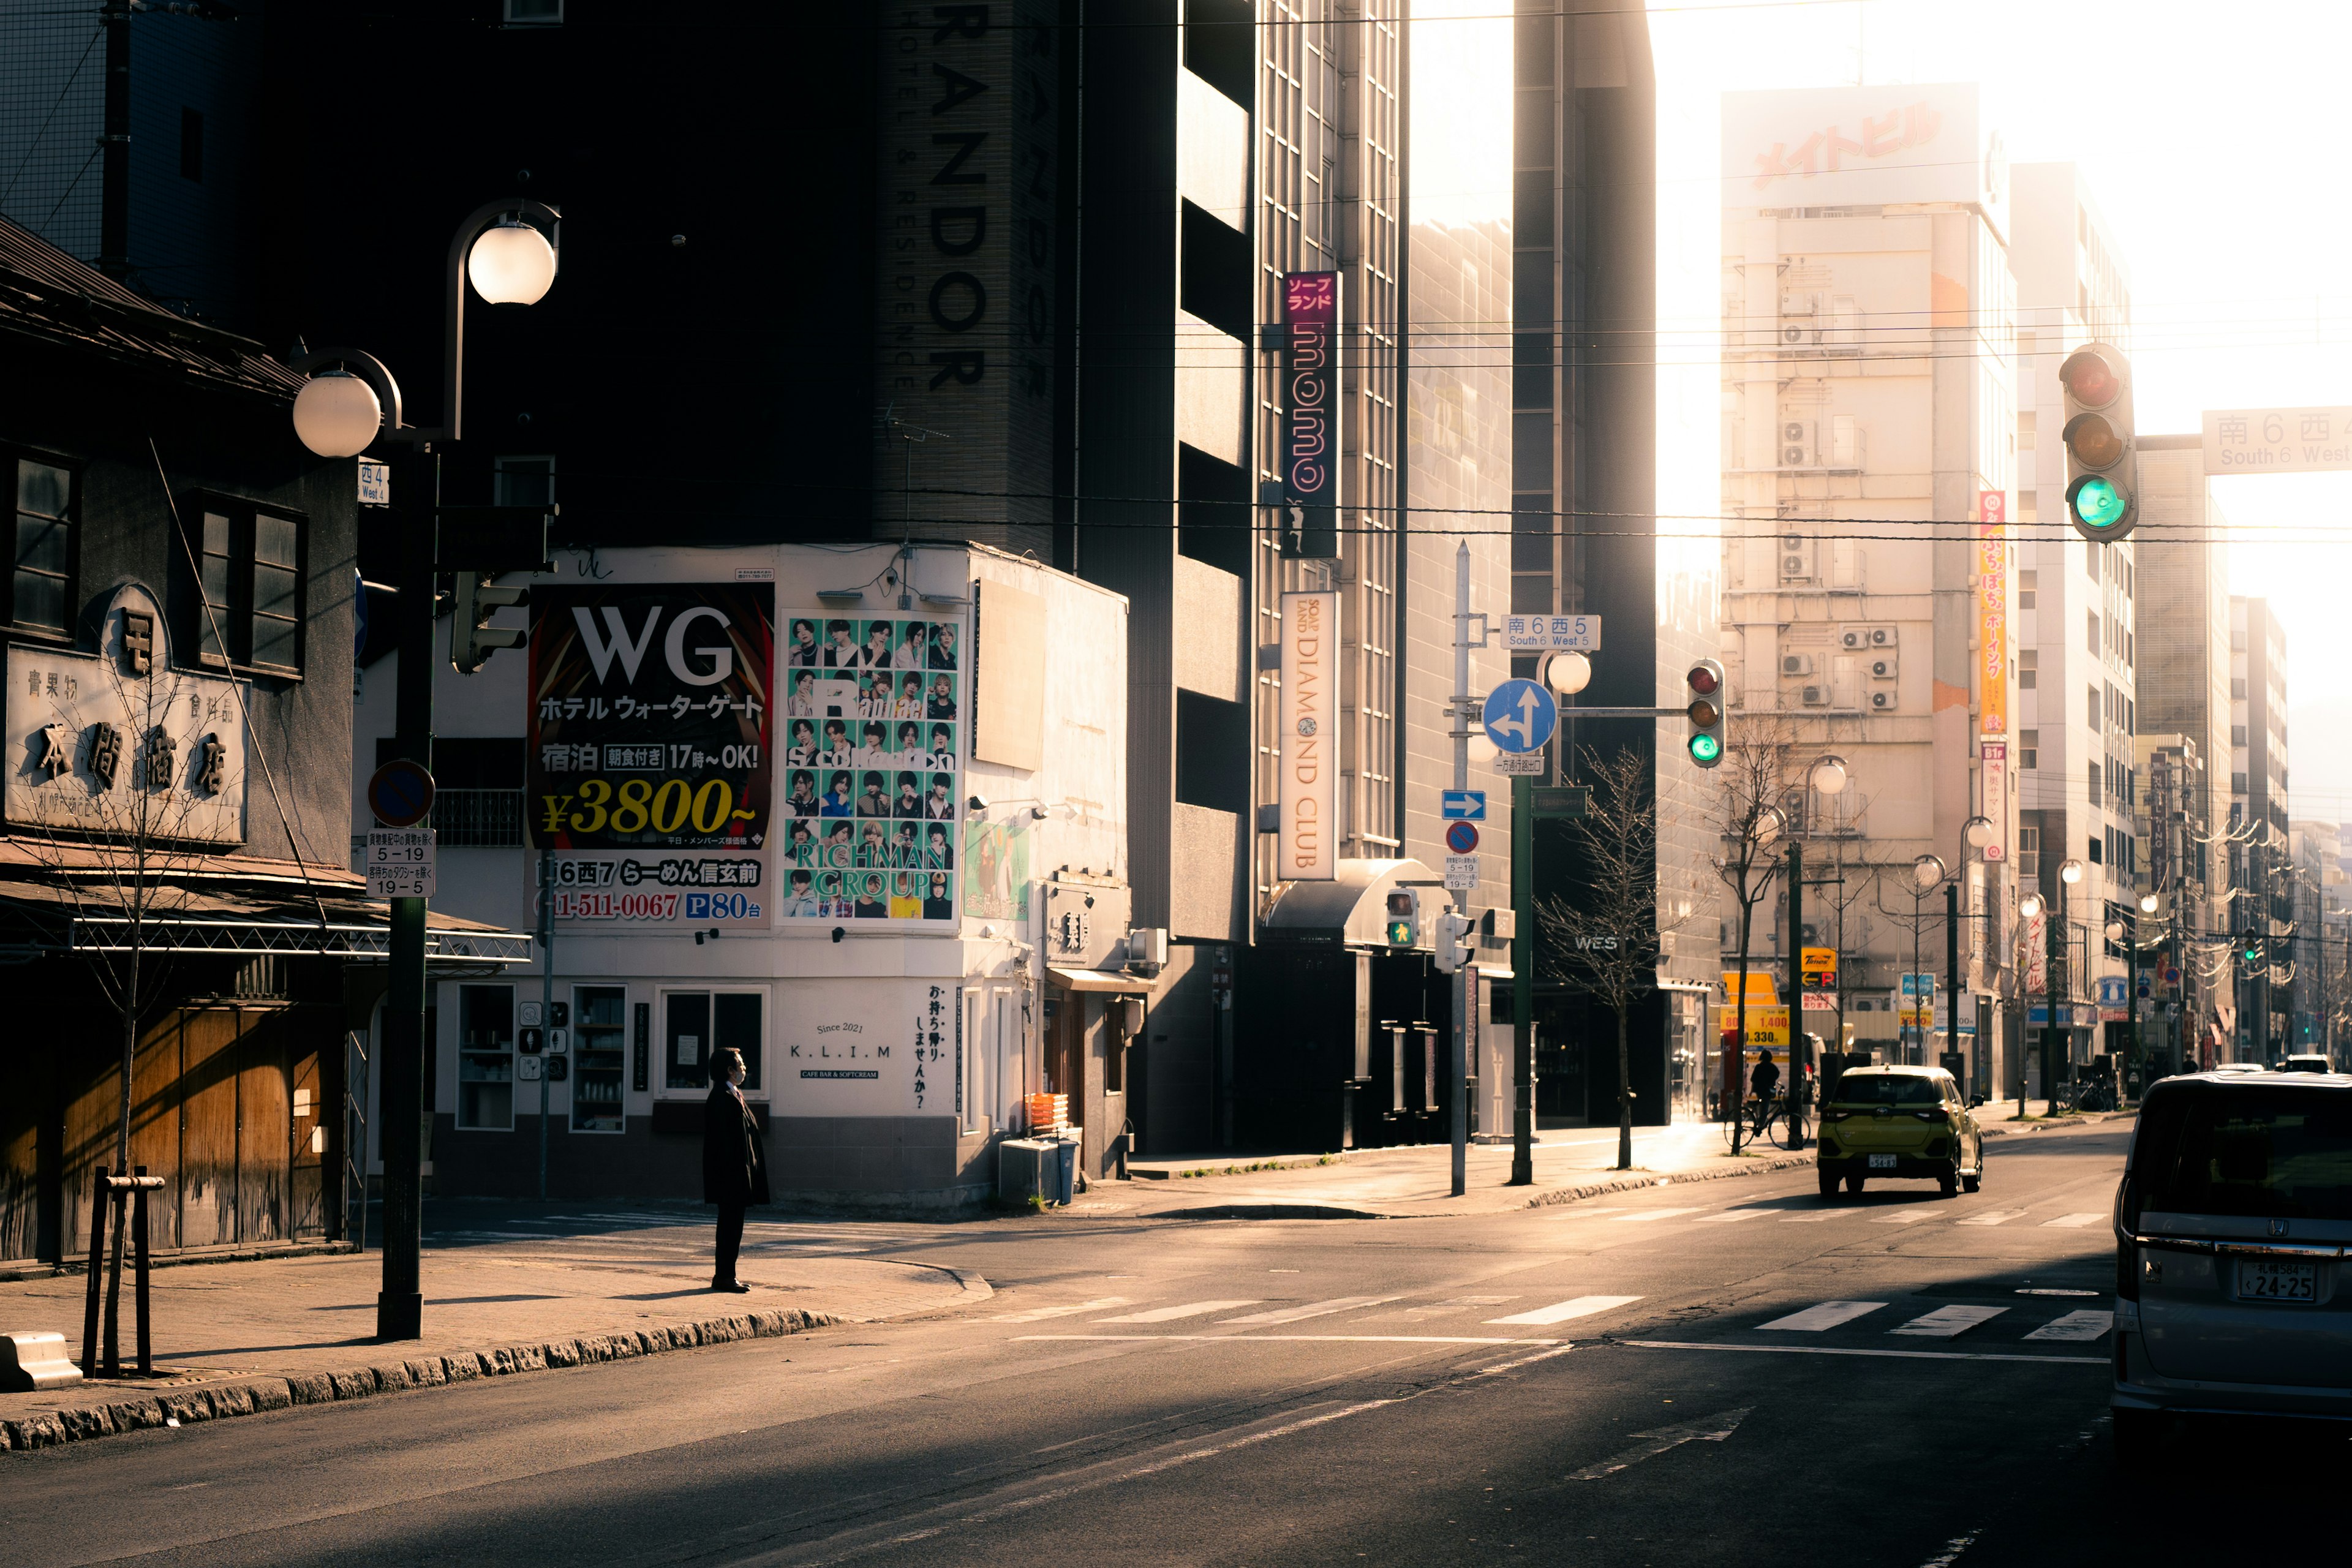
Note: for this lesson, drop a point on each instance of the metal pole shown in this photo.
(2059, 986)
(1952, 964)
(1796, 947)
(1523, 981)
(546, 1000)
(400, 1304)
(114, 143)
(1465, 981)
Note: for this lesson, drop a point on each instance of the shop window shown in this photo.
(485, 1040)
(696, 1023)
(249, 600)
(41, 586)
(598, 1048)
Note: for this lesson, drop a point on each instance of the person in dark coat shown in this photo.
(734, 1165)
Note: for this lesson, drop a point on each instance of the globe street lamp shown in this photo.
(2059, 984)
(350, 402)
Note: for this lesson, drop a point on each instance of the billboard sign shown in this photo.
(1310, 415)
(1308, 848)
(1862, 147)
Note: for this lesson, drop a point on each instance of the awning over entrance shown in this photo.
(60, 898)
(1348, 910)
(1097, 980)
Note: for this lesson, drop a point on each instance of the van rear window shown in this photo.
(2266, 1153)
(1889, 1089)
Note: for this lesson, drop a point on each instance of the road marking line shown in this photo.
(1997, 1216)
(1907, 1216)
(1523, 1361)
(1882, 1356)
(1170, 1314)
(2078, 1327)
(1561, 1311)
(1949, 1322)
(1292, 1339)
(1036, 1314)
(2072, 1221)
(1645, 1216)
(1952, 1550)
(1315, 1309)
(1822, 1315)
(1730, 1216)
(1706, 1429)
(1814, 1218)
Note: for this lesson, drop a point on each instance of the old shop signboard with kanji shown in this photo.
(120, 744)
(651, 761)
(875, 710)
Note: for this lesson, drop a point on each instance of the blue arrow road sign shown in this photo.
(1461, 804)
(1520, 715)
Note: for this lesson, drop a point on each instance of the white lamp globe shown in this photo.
(2115, 931)
(1829, 775)
(1978, 832)
(336, 415)
(1567, 673)
(1482, 750)
(2149, 903)
(2029, 905)
(2070, 872)
(1927, 870)
(511, 264)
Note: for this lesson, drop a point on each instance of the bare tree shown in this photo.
(1605, 942)
(115, 797)
(1758, 770)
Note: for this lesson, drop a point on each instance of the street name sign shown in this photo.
(1524, 633)
(400, 862)
(1461, 804)
(1509, 766)
(2277, 441)
(1520, 715)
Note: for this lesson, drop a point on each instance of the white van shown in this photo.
(2233, 1252)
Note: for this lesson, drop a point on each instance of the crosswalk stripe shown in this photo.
(1997, 1216)
(2076, 1326)
(1949, 1322)
(1170, 1314)
(1645, 1216)
(1729, 1216)
(1813, 1218)
(1903, 1216)
(1561, 1311)
(1039, 1314)
(2072, 1221)
(1821, 1315)
(1313, 1310)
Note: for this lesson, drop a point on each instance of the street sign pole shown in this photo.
(1523, 981)
(1796, 1118)
(1465, 981)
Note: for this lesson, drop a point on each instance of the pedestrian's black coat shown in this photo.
(734, 1165)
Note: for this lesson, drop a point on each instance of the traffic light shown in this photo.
(2250, 950)
(1705, 711)
(1453, 929)
(2102, 469)
(473, 639)
(1404, 917)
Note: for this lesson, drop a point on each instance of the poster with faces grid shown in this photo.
(876, 711)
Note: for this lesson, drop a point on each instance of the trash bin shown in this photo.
(1066, 1169)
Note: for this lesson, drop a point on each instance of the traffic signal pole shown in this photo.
(1466, 981)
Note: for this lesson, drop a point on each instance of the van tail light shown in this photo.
(2127, 1270)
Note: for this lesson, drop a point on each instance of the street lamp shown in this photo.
(1567, 673)
(351, 402)
(2060, 984)
(1828, 774)
(1828, 777)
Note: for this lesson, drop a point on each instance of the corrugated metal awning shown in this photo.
(1097, 980)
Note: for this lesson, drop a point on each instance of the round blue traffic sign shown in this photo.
(401, 793)
(1461, 836)
(1520, 715)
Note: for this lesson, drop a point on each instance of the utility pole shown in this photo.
(1466, 981)
(1952, 963)
(546, 1000)
(1795, 947)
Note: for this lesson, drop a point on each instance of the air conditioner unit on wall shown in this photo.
(1882, 668)
(1795, 664)
(1817, 696)
(1800, 443)
(1882, 699)
(1853, 638)
(1881, 637)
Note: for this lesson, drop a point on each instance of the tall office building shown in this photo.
(1869, 321)
(2078, 643)
(2260, 864)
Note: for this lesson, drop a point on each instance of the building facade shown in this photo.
(2261, 865)
(1870, 399)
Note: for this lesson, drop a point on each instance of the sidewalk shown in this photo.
(1571, 1163)
(232, 1339)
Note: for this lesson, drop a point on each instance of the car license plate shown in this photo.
(1882, 1162)
(2274, 1279)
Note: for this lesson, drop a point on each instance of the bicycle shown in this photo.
(1754, 1119)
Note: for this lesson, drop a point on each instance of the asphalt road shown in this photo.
(1732, 1373)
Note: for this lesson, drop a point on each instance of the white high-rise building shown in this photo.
(1869, 446)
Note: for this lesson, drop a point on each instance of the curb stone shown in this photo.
(257, 1395)
(1638, 1183)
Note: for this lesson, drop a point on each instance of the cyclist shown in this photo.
(1764, 1080)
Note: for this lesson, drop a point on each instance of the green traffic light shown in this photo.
(1399, 933)
(2097, 503)
(1705, 748)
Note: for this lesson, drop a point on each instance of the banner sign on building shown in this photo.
(650, 760)
(1309, 839)
(1310, 415)
(121, 745)
(1992, 662)
(875, 714)
(1864, 146)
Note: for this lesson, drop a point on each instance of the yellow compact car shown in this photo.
(1901, 1122)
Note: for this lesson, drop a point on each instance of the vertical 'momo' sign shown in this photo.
(1310, 415)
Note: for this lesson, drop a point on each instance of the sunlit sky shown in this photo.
(2215, 142)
